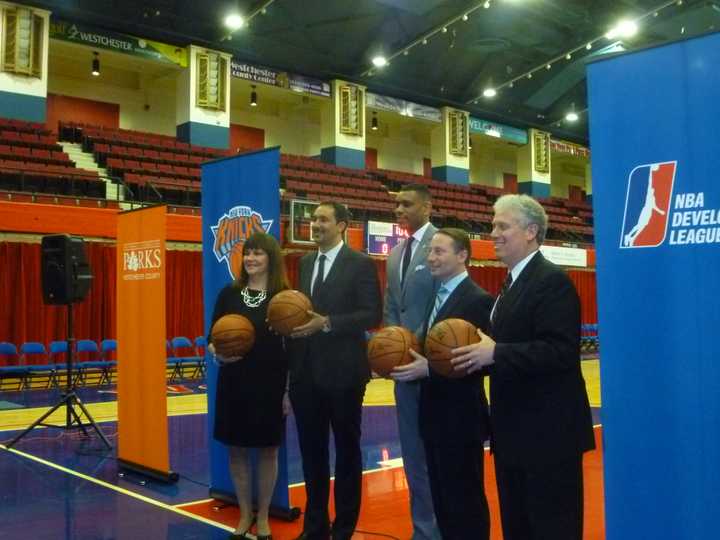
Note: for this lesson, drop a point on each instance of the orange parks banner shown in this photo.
(142, 402)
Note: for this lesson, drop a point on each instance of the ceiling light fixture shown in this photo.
(489, 92)
(253, 97)
(96, 65)
(374, 123)
(234, 21)
(379, 61)
(465, 17)
(572, 116)
(486, 5)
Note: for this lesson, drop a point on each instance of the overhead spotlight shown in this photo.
(406, 52)
(263, 11)
(374, 123)
(568, 56)
(444, 29)
(529, 75)
(465, 17)
(234, 21)
(486, 5)
(489, 92)
(623, 29)
(96, 65)
(548, 66)
(588, 46)
(680, 2)
(572, 116)
(253, 97)
(682, 30)
(511, 84)
(470, 143)
(424, 42)
(379, 61)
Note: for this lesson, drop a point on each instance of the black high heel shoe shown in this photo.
(243, 535)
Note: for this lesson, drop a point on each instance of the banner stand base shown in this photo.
(284, 513)
(168, 477)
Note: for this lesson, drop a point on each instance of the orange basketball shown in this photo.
(390, 347)
(233, 335)
(442, 339)
(288, 310)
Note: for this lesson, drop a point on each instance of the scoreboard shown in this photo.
(382, 237)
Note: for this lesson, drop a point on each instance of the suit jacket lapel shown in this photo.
(453, 299)
(512, 296)
(336, 268)
(418, 257)
(306, 274)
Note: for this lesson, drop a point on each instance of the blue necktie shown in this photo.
(439, 299)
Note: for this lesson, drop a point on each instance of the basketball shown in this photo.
(390, 347)
(232, 335)
(442, 339)
(288, 310)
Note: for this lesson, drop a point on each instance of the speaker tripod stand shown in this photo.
(70, 400)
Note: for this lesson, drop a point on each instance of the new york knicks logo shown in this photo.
(231, 231)
(647, 205)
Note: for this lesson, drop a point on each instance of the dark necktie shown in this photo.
(503, 290)
(320, 277)
(406, 260)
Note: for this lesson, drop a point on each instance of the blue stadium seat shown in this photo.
(83, 364)
(55, 350)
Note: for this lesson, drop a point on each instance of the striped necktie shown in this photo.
(439, 299)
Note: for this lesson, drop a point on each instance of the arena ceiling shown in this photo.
(496, 46)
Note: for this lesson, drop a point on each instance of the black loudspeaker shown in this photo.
(66, 274)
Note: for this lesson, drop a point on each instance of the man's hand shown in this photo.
(417, 369)
(316, 323)
(476, 356)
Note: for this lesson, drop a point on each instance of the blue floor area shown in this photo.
(59, 505)
(41, 503)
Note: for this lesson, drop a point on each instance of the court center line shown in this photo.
(117, 489)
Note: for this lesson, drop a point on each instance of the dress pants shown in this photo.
(317, 410)
(544, 502)
(407, 398)
(458, 489)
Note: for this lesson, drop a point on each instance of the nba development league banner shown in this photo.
(240, 195)
(654, 118)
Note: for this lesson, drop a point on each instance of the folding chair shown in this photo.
(40, 369)
(12, 369)
(83, 365)
(108, 347)
(56, 349)
(178, 360)
(200, 348)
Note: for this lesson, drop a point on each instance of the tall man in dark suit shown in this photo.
(539, 411)
(329, 371)
(410, 287)
(453, 411)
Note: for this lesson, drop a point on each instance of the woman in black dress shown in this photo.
(250, 402)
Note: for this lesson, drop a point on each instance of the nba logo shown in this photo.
(647, 205)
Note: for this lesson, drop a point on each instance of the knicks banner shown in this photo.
(240, 196)
(654, 115)
(142, 402)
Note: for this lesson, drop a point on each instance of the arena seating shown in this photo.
(161, 168)
(31, 160)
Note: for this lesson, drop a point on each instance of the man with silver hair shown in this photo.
(539, 411)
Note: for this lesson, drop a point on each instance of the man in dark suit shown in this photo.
(539, 410)
(410, 287)
(453, 411)
(329, 371)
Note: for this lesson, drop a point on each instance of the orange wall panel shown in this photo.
(82, 221)
(85, 111)
(246, 138)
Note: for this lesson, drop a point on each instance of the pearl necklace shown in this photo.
(253, 301)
